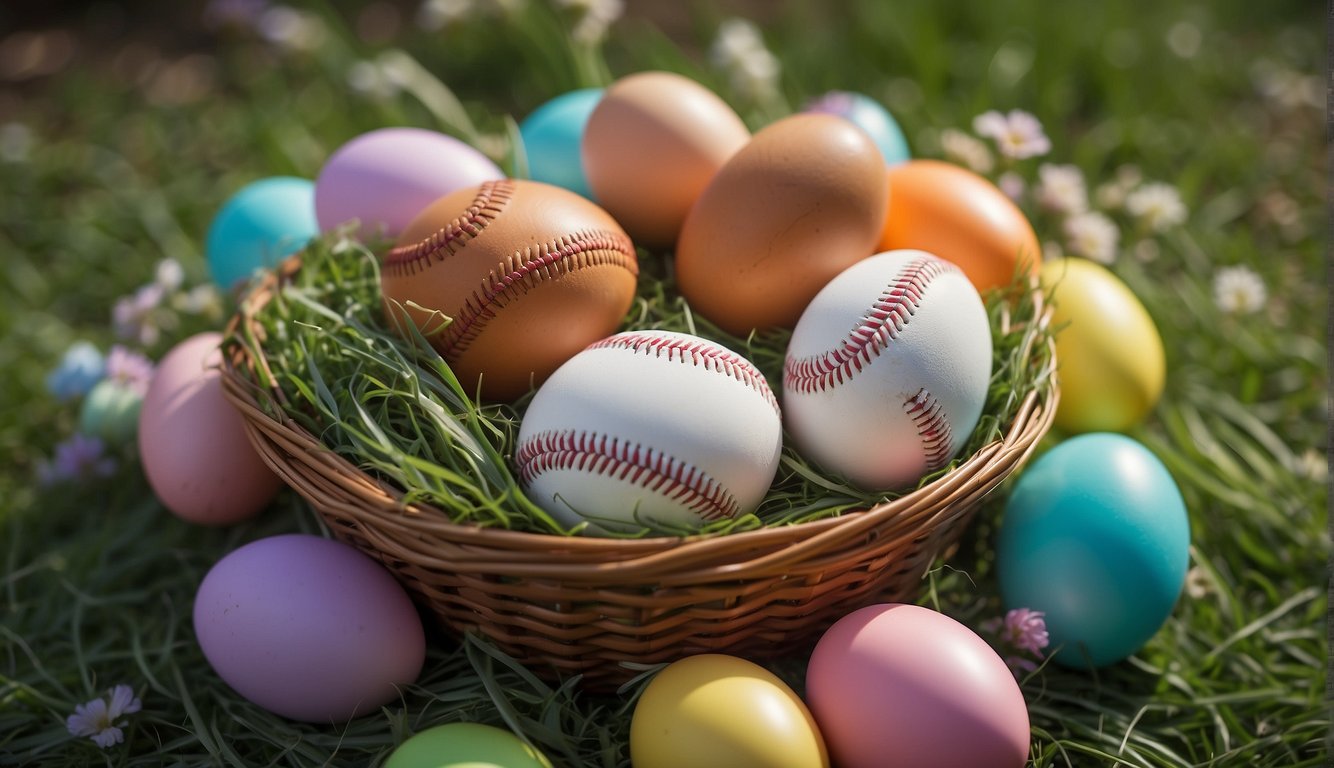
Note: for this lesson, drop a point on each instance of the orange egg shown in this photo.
(960, 216)
(651, 146)
(800, 203)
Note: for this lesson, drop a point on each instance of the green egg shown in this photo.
(465, 745)
(111, 412)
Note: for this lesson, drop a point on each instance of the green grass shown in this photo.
(98, 580)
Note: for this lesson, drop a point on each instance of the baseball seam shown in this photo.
(933, 428)
(884, 322)
(645, 467)
(707, 356)
(524, 270)
(491, 200)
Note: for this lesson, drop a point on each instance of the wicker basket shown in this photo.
(566, 605)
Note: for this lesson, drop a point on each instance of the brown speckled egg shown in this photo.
(652, 145)
(804, 200)
(526, 273)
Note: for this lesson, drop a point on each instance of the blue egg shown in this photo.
(258, 226)
(551, 138)
(1096, 536)
(870, 116)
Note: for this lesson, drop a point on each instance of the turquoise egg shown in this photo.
(258, 226)
(1095, 536)
(551, 139)
(869, 115)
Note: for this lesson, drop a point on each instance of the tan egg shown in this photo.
(652, 145)
(527, 273)
(804, 200)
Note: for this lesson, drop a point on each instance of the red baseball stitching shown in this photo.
(711, 357)
(933, 427)
(522, 271)
(882, 323)
(491, 200)
(647, 468)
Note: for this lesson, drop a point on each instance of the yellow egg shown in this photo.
(714, 710)
(1108, 351)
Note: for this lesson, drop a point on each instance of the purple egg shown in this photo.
(308, 628)
(384, 178)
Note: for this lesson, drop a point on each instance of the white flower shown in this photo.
(1157, 205)
(963, 148)
(1017, 135)
(1061, 189)
(1238, 290)
(1013, 185)
(1198, 582)
(1311, 465)
(595, 17)
(751, 68)
(101, 721)
(1093, 236)
(169, 274)
(289, 28)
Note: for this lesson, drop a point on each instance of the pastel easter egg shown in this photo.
(902, 686)
(869, 115)
(1096, 536)
(111, 412)
(652, 144)
(258, 226)
(961, 217)
(1111, 364)
(308, 628)
(552, 135)
(801, 202)
(716, 711)
(466, 745)
(384, 178)
(192, 441)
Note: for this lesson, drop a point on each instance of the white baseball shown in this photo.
(888, 369)
(650, 428)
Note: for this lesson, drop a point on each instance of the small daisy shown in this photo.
(1239, 291)
(1017, 135)
(967, 150)
(751, 68)
(78, 458)
(169, 274)
(101, 720)
(80, 368)
(1157, 205)
(129, 369)
(1093, 236)
(1061, 189)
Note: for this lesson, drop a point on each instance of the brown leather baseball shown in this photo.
(508, 280)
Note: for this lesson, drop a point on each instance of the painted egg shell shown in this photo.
(258, 226)
(652, 145)
(193, 444)
(111, 412)
(552, 136)
(384, 178)
(1096, 536)
(804, 200)
(1109, 356)
(529, 273)
(901, 686)
(959, 216)
(308, 628)
(465, 745)
(716, 711)
(869, 115)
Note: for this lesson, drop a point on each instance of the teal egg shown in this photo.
(869, 115)
(551, 139)
(1096, 536)
(258, 226)
(111, 412)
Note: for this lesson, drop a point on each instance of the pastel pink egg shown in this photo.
(384, 178)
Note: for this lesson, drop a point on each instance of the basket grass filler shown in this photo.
(400, 462)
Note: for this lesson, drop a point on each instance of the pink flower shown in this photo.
(130, 369)
(134, 316)
(1026, 629)
(1017, 135)
(77, 458)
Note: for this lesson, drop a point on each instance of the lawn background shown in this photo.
(127, 145)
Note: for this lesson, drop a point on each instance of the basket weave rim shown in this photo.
(600, 560)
